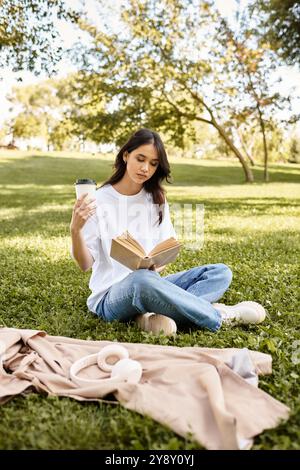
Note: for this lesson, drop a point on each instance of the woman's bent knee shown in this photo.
(143, 278)
(225, 272)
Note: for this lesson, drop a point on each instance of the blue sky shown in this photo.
(290, 76)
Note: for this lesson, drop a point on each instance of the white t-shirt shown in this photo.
(116, 213)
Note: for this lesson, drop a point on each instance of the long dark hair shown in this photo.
(153, 185)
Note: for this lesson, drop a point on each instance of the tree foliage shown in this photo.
(173, 64)
(49, 110)
(251, 63)
(157, 71)
(38, 110)
(281, 22)
(29, 38)
(295, 149)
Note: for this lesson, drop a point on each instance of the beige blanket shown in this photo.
(190, 389)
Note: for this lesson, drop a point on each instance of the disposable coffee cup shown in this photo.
(88, 186)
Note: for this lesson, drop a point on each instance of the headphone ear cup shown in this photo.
(127, 370)
(124, 370)
(109, 351)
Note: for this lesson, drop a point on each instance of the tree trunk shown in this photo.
(248, 172)
(251, 159)
(262, 126)
(245, 148)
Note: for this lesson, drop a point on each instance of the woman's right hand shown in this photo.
(82, 211)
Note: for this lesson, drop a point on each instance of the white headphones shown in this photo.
(124, 370)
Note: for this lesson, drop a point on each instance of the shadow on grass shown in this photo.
(55, 171)
(264, 269)
(54, 221)
(49, 171)
(39, 293)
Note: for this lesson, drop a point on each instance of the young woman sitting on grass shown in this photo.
(156, 303)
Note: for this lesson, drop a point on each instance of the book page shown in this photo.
(166, 244)
(166, 256)
(128, 241)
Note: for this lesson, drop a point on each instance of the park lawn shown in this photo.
(252, 228)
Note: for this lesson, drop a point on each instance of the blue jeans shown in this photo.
(185, 296)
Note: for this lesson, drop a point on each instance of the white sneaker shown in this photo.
(244, 312)
(156, 323)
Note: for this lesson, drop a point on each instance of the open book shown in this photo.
(126, 250)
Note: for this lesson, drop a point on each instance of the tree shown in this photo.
(246, 144)
(27, 125)
(29, 38)
(49, 110)
(159, 72)
(294, 150)
(176, 64)
(39, 110)
(61, 134)
(281, 23)
(251, 65)
(80, 110)
(5, 131)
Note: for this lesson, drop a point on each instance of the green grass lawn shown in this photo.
(252, 228)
